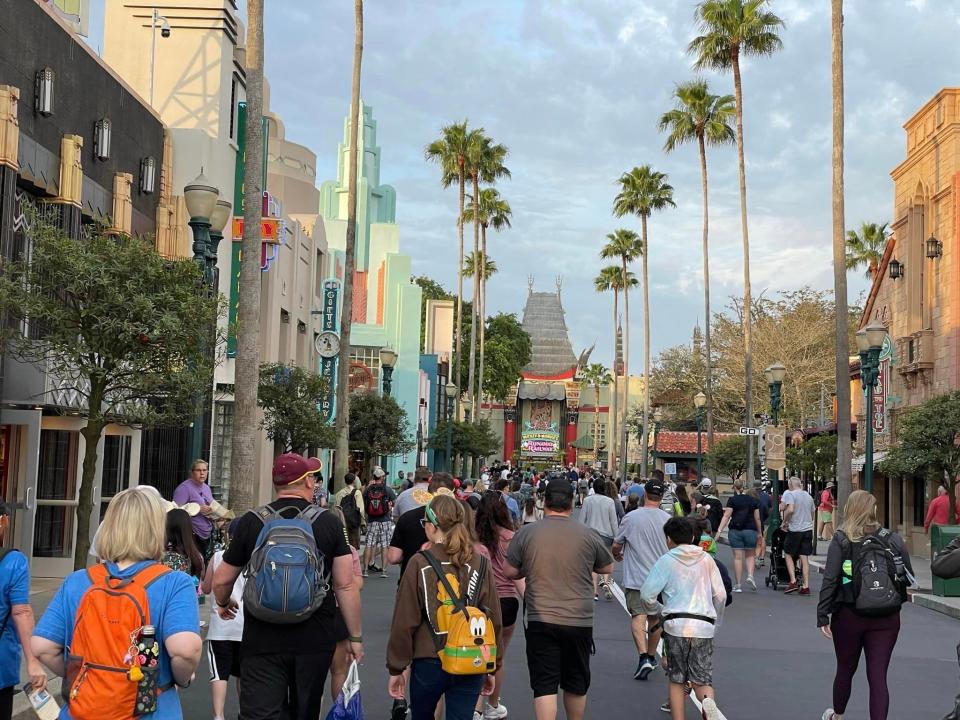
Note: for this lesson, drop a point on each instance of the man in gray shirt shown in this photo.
(413, 497)
(558, 557)
(797, 508)
(639, 544)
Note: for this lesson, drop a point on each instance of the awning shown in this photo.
(860, 460)
(584, 442)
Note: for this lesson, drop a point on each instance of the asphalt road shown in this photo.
(770, 662)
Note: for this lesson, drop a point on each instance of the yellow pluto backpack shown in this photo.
(470, 644)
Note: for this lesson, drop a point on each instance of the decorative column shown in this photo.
(570, 455)
(509, 432)
(71, 184)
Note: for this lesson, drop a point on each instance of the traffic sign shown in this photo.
(670, 468)
(744, 430)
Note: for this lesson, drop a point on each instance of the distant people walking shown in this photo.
(600, 515)
(828, 503)
(196, 490)
(378, 501)
(797, 509)
(742, 516)
(863, 554)
(938, 512)
(350, 501)
(558, 556)
(712, 503)
(639, 543)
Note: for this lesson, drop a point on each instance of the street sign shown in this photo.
(670, 468)
(744, 430)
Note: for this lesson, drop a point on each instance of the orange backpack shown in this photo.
(99, 684)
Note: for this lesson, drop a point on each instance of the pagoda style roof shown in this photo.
(551, 356)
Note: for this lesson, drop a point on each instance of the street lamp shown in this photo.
(657, 419)
(388, 359)
(218, 221)
(451, 393)
(774, 375)
(699, 400)
(869, 343)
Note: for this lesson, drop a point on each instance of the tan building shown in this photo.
(916, 295)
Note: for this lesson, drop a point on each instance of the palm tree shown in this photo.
(729, 29)
(644, 191)
(243, 492)
(703, 117)
(841, 262)
(469, 270)
(450, 152)
(342, 417)
(612, 278)
(596, 376)
(865, 248)
(494, 212)
(470, 267)
(624, 245)
(484, 164)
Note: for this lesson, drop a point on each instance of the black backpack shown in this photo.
(377, 501)
(879, 575)
(351, 513)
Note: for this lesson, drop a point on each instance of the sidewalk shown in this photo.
(921, 595)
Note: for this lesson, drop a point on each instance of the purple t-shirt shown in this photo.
(189, 491)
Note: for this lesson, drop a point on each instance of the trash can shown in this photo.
(940, 537)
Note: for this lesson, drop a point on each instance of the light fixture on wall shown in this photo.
(148, 173)
(101, 138)
(43, 102)
(934, 247)
(895, 269)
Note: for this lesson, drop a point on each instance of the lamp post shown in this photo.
(657, 419)
(201, 200)
(451, 392)
(388, 359)
(699, 400)
(869, 343)
(156, 20)
(774, 375)
(218, 221)
(467, 404)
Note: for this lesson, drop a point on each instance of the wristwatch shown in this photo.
(223, 605)
(356, 638)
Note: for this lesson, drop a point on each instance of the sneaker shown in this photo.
(736, 588)
(647, 666)
(711, 711)
(804, 591)
(477, 715)
(364, 574)
(495, 712)
(792, 587)
(596, 598)
(751, 583)
(665, 707)
(374, 569)
(636, 675)
(828, 714)
(383, 573)
(607, 592)
(399, 711)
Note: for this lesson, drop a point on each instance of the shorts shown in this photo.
(826, 516)
(634, 604)
(558, 656)
(742, 539)
(379, 533)
(224, 658)
(796, 544)
(689, 659)
(509, 609)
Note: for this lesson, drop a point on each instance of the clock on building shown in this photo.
(327, 344)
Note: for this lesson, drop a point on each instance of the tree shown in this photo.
(342, 417)
(449, 151)
(703, 117)
(865, 248)
(123, 329)
(816, 458)
(467, 439)
(596, 376)
(508, 349)
(290, 397)
(840, 264)
(929, 445)
(612, 278)
(244, 487)
(644, 191)
(676, 376)
(471, 266)
(378, 426)
(430, 290)
(731, 29)
(728, 457)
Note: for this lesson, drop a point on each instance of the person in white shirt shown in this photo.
(797, 509)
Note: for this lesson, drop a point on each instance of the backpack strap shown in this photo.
(311, 513)
(458, 601)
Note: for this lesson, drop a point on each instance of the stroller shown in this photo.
(778, 574)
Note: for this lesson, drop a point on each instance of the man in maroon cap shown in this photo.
(285, 666)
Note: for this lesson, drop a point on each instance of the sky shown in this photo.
(575, 89)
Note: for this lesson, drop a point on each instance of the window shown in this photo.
(598, 432)
(233, 108)
(56, 494)
(116, 468)
(919, 501)
(318, 275)
(364, 368)
(219, 477)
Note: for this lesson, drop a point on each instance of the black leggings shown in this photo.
(876, 638)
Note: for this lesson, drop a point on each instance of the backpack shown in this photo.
(878, 575)
(351, 513)
(285, 580)
(469, 645)
(377, 501)
(98, 683)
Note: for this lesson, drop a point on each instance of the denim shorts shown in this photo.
(742, 539)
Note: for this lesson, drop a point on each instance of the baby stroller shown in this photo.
(778, 574)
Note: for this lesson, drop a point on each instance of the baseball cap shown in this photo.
(706, 483)
(378, 472)
(655, 488)
(290, 468)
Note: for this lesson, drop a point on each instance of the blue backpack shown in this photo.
(285, 576)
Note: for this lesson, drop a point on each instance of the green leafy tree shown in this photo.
(728, 457)
(508, 349)
(466, 439)
(290, 398)
(378, 426)
(127, 331)
(865, 247)
(596, 376)
(929, 445)
(430, 290)
(676, 377)
(815, 458)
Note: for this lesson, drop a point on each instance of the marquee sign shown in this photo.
(539, 442)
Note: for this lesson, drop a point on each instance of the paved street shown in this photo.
(770, 661)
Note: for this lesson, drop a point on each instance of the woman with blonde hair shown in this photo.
(843, 614)
(742, 515)
(77, 645)
(415, 630)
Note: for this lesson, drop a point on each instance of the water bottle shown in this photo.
(148, 659)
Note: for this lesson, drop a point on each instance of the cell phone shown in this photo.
(43, 703)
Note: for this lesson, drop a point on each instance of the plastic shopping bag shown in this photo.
(348, 705)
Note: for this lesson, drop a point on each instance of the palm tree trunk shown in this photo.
(747, 299)
(243, 454)
(342, 421)
(475, 306)
(483, 309)
(706, 293)
(626, 373)
(458, 325)
(842, 370)
(596, 423)
(612, 437)
(646, 349)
